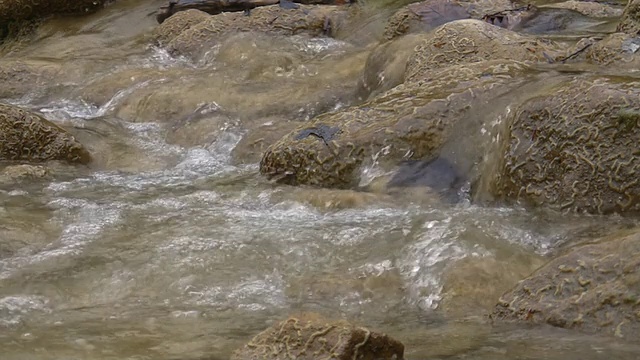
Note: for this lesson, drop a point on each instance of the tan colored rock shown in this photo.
(619, 51)
(27, 136)
(471, 285)
(258, 138)
(630, 22)
(594, 288)
(423, 16)
(572, 148)
(19, 77)
(200, 34)
(588, 8)
(310, 337)
(411, 121)
(176, 24)
(17, 173)
(472, 41)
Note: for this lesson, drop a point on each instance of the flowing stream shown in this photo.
(166, 250)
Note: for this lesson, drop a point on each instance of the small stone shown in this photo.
(311, 337)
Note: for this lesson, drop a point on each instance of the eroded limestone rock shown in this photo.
(472, 41)
(589, 8)
(630, 22)
(310, 337)
(423, 16)
(593, 288)
(192, 34)
(27, 136)
(617, 50)
(411, 121)
(574, 148)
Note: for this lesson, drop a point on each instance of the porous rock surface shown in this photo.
(29, 137)
(630, 22)
(191, 32)
(575, 148)
(472, 41)
(460, 64)
(618, 51)
(594, 288)
(310, 337)
(411, 121)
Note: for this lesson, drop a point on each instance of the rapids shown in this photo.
(167, 250)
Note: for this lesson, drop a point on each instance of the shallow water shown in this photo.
(165, 250)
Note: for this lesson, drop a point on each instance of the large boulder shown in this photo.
(574, 148)
(594, 288)
(192, 32)
(619, 51)
(630, 22)
(460, 64)
(310, 337)
(26, 136)
(413, 121)
(472, 41)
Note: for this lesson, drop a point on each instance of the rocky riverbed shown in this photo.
(426, 180)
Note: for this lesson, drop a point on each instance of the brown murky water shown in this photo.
(167, 250)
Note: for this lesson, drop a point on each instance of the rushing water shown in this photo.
(166, 250)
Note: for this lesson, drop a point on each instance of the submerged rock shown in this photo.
(386, 66)
(19, 77)
(574, 148)
(593, 288)
(630, 22)
(471, 285)
(27, 136)
(17, 173)
(311, 337)
(423, 16)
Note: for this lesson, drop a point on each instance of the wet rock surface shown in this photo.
(18, 173)
(411, 121)
(423, 16)
(310, 336)
(17, 77)
(473, 41)
(570, 149)
(27, 136)
(593, 288)
(590, 8)
(191, 33)
(630, 22)
(618, 50)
